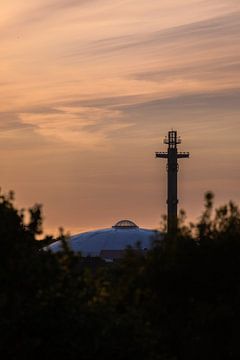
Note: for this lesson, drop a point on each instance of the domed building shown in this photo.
(109, 244)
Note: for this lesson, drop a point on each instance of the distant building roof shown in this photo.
(109, 243)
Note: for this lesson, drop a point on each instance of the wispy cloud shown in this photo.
(83, 126)
(206, 30)
(12, 121)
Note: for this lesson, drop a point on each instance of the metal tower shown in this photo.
(172, 155)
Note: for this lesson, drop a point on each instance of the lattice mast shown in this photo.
(172, 156)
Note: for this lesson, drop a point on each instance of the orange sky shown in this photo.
(88, 90)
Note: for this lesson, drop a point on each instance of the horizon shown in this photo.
(90, 89)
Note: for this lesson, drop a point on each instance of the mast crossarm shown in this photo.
(163, 155)
(182, 155)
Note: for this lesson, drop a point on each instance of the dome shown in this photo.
(109, 243)
(125, 224)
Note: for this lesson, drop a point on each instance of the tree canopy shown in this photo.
(180, 300)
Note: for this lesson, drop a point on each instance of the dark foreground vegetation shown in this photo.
(181, 300)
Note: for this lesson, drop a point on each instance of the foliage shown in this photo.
(180, 300)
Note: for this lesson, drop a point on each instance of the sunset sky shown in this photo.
(88, 90)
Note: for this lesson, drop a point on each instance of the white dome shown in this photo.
(109, 243)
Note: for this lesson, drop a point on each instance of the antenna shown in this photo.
(172, 156)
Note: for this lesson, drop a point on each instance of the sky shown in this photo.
(89, 89)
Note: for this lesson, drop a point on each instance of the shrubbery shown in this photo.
(179, 301)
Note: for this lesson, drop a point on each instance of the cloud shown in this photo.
(11, 122)
(225, 99)
(35, 13)
(210, 30)
(79, 126)
(180, 59)
(227, 66)
(19, 137)
(51, 8)
(124, 106)
(144, 118)
(185, 74)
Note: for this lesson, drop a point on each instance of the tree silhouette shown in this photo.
(180, 300)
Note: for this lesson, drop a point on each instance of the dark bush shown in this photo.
(178, 301)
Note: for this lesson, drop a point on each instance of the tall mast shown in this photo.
(172, 156)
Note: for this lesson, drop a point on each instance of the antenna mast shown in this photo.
(172, 156)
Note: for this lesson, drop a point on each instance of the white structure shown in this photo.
(110, 243)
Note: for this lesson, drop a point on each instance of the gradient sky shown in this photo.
(88, 90)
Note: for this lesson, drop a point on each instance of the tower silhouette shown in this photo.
(172, 156)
